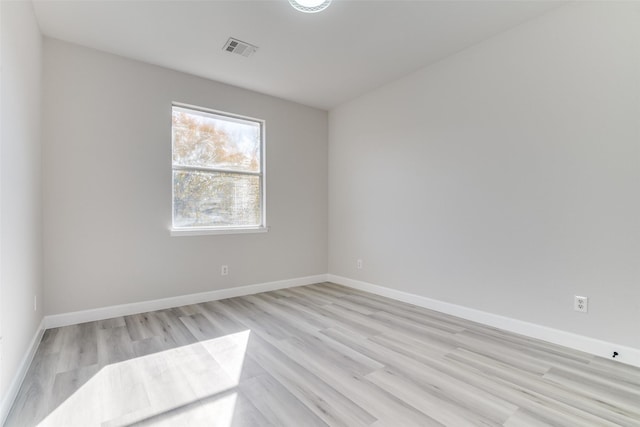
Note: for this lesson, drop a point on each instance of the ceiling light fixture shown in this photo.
(310, 6)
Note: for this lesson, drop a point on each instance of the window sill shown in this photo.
(175, 232)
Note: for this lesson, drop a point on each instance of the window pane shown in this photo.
(214, 199)
(210, 140)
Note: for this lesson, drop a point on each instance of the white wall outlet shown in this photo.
(359, 264)
(224, 270)
(581, 304)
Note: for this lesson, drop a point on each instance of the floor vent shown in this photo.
(239, 47)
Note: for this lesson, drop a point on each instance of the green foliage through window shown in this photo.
(217, 170)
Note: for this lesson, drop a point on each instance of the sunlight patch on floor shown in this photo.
(189, 383)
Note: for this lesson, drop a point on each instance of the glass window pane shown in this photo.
(215, 199)
(210, 140)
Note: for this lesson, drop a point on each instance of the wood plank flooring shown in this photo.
(314, 356)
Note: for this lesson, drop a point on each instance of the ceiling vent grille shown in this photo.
(239, 47)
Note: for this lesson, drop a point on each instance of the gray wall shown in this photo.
(504, 178)
(20, 189)
(107, 185)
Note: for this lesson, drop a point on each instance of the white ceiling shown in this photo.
(321, 59)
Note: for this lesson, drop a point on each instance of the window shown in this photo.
(218, 172)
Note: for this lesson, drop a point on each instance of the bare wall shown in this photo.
(20, 192)
(504, 178)
(107, 185)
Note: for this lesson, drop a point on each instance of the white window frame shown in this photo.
(200, 231)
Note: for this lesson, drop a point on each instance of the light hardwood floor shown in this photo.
(313, 356)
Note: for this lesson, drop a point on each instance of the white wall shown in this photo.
(20, 190)
(505, 178)
(107, 185)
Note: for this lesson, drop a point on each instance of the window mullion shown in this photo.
(205, 169)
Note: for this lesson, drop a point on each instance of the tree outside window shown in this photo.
(218, 176)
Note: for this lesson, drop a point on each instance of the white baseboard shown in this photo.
(20, 374)
(73, 318)
(627, 355)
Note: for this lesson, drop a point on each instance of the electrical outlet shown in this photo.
(359, 264)
(224, 270)
(581, 304)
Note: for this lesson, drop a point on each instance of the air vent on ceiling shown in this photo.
(239, 47)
